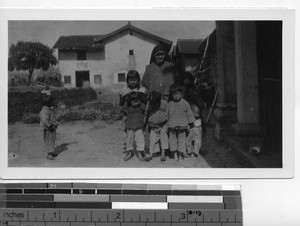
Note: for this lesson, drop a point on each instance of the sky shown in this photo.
(48, 32)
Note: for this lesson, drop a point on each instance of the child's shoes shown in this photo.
(181, 156)
(176, 157)
(140, 156)
(128, 156)
(50, 157)
(195, 154)
(149, 158)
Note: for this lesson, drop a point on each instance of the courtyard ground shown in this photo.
(101, 144)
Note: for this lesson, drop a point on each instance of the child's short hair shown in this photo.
(133, 74)
(48, 101)
(195, 108)
(154, 99)
(174, 88)
(131, 97)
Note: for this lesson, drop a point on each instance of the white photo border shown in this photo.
(284, 14)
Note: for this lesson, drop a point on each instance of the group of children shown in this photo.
(156, 125)
(151, 123)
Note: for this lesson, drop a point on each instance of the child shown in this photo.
(134, 111)
(157, 120)
(48, 124)
(133, 85)
(194, 139)
(180, 119)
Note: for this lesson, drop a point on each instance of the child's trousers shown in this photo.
(194, 140)
(158, 138)
(49, 140)
(177, 139)
(136, 136)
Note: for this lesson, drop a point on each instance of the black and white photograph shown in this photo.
(145, 94)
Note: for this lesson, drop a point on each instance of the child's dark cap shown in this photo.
(174, 88)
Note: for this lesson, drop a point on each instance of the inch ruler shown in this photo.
(92, 204)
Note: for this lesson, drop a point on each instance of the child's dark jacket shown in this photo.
(134, 117)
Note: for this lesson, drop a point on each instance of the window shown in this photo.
(67, 79)
(121, 77)
(97, 79)
(131, 52)
(81, 55)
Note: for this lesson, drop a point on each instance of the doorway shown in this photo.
(81, 77)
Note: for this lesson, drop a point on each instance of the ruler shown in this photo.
(94, 204)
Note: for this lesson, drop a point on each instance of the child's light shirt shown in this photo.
(197, 123)
(47, 118)
(142, 91)
(179, 114)
(126, 90)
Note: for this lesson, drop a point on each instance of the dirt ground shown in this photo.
(100, 144)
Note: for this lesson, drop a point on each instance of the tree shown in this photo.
(30, 56)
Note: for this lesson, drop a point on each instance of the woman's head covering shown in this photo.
(157, 49)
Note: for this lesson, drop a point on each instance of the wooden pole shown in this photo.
(212, 105)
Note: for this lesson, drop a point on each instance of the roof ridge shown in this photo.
(190, 39)
(78, 35)
(134, 28)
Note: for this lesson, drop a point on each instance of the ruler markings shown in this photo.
(231, 201)
(164, 217)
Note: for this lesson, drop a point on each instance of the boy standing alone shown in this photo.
(48, 124)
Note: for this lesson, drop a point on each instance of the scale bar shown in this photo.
(139, 205)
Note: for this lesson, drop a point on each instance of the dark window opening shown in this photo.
(81, 55)
(97, 79)
(131, 52)
(121, 77)
(67, 79)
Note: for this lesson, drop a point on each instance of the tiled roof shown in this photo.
(188, 46)
(130, 28)
(98, 41)
(77, 42)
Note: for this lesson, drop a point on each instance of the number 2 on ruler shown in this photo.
(118, 217)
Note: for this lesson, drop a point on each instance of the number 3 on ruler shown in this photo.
(182, 216)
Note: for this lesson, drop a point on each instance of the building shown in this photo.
(102, 61)
(205, 73)
(249, 82)
(184, 52)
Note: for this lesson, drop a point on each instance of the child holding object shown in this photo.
(180, 120)
(48, 125)
(133, 84)
(134, 111)
(157, 120)
(194, 139)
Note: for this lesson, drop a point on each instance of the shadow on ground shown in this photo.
(59, 149)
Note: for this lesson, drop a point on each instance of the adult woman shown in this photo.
(160, 74)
